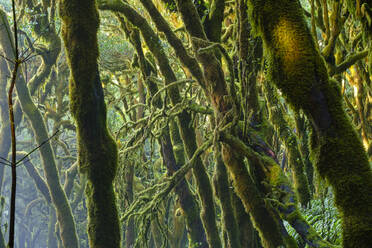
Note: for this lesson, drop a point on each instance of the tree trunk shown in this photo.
(223, 192)
(289, 139)
(298, 70)
(174, 156)
(97, 152)
(59, 199)
(265, 220)
(202, 180)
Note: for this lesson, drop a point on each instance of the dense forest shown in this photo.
(185, 123)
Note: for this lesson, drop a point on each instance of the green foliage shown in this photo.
(170, 5)
(136, 119)
(325, 219)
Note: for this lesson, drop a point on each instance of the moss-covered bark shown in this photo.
(248, 68)
(302, 126)
(203, 184)
(187, 201)
(173, 155)
(97, 150)
(213, 22)
(288, 138)
(222, 189)
(162, 25)
(263, 218)
(64, 215)
(248, 236)
(299, 72)
(262, 215)
(274, 183)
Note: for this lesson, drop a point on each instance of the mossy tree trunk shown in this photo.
(216, 89)
(172, 151)
(298, 70)
(212, 75)
(130, 232)
(97, 152)
(302, 126)
(289, 139)
(248, 236)
(202, 180)
(187, 200)
(59, 199)
(223, 192)
(248, 68)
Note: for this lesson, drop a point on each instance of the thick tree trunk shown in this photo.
(96, 149)
(298, 70)
(263, 217)
(248, 236)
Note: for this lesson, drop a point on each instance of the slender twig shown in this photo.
(33, 150)
(5, 163)
(7, 59)
(5, 160)
(17, 62)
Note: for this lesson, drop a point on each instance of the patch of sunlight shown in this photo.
(288, 42)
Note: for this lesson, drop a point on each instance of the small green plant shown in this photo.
(325, 219)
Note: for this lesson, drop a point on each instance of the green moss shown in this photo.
(59, 199)
(184, 119)
(261, 213)
(97, 150)
(290, 140)
(298, 70)
(222, 190)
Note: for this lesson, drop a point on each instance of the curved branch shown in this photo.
(349, 61)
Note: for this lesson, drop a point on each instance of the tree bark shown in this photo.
(202, 180)
(97, 152)
(298, 70)
(64, 215)
(262, 216)
(173, 157)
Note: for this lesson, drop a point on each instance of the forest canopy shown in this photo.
(185, 123)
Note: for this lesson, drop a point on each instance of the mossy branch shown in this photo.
(348, 62)
(180, 50)
(142, 206)
(279, 187)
